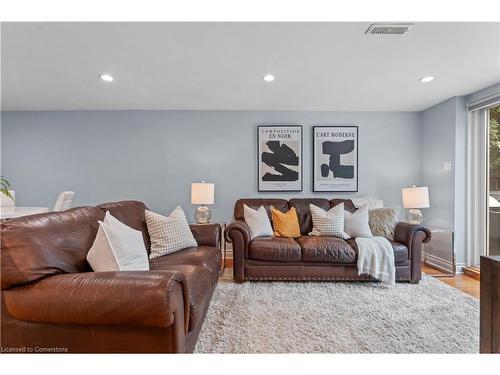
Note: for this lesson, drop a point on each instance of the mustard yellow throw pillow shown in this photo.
(285, 224)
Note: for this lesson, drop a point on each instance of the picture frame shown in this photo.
(335, 158)
(279, 157)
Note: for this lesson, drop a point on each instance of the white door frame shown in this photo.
(477, 163)
(477, 219)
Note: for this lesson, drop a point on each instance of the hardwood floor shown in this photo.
(462, 282)
(473, 272)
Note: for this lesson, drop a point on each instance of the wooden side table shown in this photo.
(222, 245)
(439, 253)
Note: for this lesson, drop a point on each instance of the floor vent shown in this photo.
(388, 28)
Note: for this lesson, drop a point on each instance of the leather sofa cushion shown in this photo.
(202, 256)
(275, 249)
(130, 213)
(326, 249)
(255, 203)
(47, 244)
(400, 252)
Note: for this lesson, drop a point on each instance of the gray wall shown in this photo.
(444, 139)
(438, 146)
(153, 156)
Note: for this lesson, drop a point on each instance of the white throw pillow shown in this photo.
(328, 223)
(168, 234)
(117, 247)
(257, 221)
(356, 224)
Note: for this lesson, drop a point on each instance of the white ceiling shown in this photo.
(318, 66)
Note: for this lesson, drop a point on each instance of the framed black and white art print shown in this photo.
(279, 157)
(335, 158)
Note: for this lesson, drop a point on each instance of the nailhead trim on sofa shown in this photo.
(314, 279)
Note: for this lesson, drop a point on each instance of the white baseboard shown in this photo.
(444, 265)
(460, 268)
(441, 264)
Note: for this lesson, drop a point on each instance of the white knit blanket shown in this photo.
(376, 258)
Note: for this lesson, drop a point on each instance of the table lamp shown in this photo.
(202, 193)
(413, 199)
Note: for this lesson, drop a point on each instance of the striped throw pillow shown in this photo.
(328, 223)
(168, 234)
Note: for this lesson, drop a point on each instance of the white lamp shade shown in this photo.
(202, 193)
(415, 197)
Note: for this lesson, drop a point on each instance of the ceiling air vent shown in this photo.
(388, 28)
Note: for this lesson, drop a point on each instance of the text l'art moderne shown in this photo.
(335, 134)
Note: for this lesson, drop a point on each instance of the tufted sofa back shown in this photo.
(300, 204)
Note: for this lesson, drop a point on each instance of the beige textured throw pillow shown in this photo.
(168, 234)
(383, 222)
(328, 223)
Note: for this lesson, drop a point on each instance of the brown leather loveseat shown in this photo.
(53, 302)
(309, 257)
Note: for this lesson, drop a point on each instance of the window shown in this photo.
(483, 179)
(493, 203)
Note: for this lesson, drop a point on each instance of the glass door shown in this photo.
(493, 208)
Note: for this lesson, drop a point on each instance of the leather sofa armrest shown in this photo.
(238, 234)
(413, 236)
(239, 226)
(127, 298)
(206, 234)
(406, 232)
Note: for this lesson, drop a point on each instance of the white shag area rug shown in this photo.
(334, 317)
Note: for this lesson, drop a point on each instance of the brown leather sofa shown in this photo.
(309, 257)
(53, 302)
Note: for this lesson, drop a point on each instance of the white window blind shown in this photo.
(486, 102)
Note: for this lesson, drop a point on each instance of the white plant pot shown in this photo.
(5, 201)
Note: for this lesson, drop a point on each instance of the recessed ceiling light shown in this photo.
(107, 77)
(268, 78)
(427, 79)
